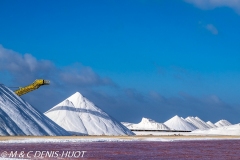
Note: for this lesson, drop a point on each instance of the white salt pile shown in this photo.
(211, 124)
(226, 130)
(17, 117)
(78, 115)
(179, 124)
(200, 124)
(147, 124)
(222, 123)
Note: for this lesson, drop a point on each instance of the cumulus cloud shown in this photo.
(27, 68)
(156, 96)
(211, 4)
(212, 29)
(188, 105)
(209, 27)
(23, 67)
(134, 94)
(83, 76)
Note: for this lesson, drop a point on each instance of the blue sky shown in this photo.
(132, 58)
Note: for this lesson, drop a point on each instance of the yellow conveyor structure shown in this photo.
(35, 85)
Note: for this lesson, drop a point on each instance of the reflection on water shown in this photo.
(184, 150)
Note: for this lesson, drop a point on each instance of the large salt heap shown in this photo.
(17, 117)
(225, 130)
(211, 124)
(200, 124)
(147, 124)
(78, 115)
(222, 123)
(179, 124)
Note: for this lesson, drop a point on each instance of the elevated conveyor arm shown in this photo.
(35, 85)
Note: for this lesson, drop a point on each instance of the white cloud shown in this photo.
(78, 74)
(211, 4)
(212, 29)
(25, 68)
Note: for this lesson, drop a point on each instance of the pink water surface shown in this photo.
(180, 150)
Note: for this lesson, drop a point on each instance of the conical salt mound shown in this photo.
(179, 124)
(148, 124)
(79, 116)
(151, 124)
(17, 117)
(211, 124)
(233, 130)
(222, 123)
(197, 118)
(200, 124)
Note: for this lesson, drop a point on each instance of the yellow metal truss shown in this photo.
(35, 85)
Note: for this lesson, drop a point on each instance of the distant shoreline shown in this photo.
(123, 138)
